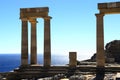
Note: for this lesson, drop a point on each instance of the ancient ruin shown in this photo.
(31, 14)
(33, 71)
(104, 8)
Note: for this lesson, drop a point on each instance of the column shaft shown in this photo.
(72, 59)
(100, 41)
(47, 43)
(33, 42)
(24, 43)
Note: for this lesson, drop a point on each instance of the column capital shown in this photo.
(24, 19)
(97, 15)
(47, 18)
(33, 20)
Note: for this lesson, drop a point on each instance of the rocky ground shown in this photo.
(82, 76)
(108, 76)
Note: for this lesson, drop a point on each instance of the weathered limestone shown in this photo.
(104, 8)
(24, 43)
(100, 41)
(109, 8)
(72, 59)
(39, 12)
(33, 41)
(31, 14)
(47, 42)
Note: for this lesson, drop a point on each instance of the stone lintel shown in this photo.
(110, 11)
(108, 5)
(109, 8)
(33, 15)
(34, 10)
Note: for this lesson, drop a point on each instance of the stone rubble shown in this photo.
(108, 76)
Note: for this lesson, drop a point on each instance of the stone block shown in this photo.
(72, 59)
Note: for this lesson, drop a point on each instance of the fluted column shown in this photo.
(33, 41)
(100, 41)
(47, 42)
(24, 43)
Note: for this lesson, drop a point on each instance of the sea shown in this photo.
(8, 62)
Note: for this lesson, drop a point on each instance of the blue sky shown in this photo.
(73, 25)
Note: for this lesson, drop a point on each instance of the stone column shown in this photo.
(24, 43)
(47, 42)
(72, 59)
(100, 41)
(33, 41)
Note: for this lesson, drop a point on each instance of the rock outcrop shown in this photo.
(112, 52)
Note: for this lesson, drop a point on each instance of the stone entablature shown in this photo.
(39, 12)
(109, 5)
(109, 8)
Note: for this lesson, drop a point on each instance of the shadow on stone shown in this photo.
(100, 72)
(70, 72)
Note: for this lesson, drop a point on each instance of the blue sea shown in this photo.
(9, 62)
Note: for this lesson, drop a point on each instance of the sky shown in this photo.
(73, 26)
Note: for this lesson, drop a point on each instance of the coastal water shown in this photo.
(8, 62)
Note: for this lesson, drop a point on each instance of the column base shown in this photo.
(100, 72)
(71, 71)
(46, 66)
(24, 66)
